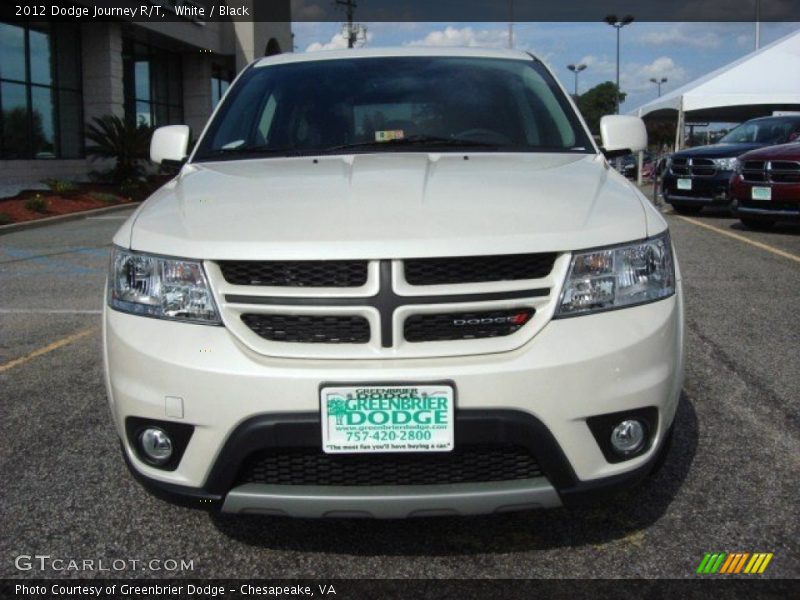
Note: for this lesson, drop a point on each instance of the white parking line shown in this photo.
(742, 238)
(48, 311)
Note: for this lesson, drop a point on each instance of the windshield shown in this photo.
(764, 131)
(393, 104)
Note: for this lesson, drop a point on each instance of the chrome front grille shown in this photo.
(771, 171)
(473, 305)
(693, 167)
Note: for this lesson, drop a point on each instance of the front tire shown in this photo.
(686, 209)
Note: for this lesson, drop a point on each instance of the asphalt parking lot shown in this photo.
(730, 482)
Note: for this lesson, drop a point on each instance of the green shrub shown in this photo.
(131, 188)
(103, 197)
(5, 219)
(61, 187)
(36, 204)
(126, 143)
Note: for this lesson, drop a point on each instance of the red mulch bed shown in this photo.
(59, 205)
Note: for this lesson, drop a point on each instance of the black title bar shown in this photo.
(209, 11)
(400, 589)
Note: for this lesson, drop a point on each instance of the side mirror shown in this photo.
(169, 144)
(622, 134)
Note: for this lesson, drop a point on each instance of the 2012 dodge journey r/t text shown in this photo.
(394, 283)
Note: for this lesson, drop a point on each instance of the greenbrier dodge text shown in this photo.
(201, 591)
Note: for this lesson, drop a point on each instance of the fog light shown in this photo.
(628, 436)
(156, 445)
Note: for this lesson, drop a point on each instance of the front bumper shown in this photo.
(784, 205)
(573, 369)
(706, 191)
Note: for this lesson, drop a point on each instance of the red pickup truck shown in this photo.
(766, 186)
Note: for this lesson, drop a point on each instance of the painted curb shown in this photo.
(12, 227)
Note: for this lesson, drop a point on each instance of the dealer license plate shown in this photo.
(761, 193)
(684, 184)
(387, 418)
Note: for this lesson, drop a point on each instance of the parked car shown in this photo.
(367, 295)
(766, 187)
(699, 177)
(630, 165)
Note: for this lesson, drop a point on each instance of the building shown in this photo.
(57, 76)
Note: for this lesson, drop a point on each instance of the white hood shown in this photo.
(395, 205)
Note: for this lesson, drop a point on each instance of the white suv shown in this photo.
(394, 283)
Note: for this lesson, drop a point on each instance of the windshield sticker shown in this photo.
(388, 136)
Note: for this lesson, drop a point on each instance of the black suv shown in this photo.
(699, 177)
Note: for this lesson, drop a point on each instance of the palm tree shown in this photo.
(128, 144)
(337, 407)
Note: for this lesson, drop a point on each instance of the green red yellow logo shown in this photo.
(724, 563)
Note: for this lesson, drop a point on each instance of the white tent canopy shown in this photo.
(764, 80)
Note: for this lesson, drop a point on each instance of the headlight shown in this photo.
(618, 276)
(166, 288)
(726, 164)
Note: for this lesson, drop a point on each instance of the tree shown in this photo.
(23, 133)
(598, 102)
(127, 143)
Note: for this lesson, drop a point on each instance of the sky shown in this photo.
(681, 52)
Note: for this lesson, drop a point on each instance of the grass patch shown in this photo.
(36, 204)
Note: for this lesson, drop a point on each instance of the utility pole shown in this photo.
(353, 32)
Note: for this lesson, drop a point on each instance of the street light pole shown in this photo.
(658, 82)
(618, 24)
(576, 68)
(511, 24)
(758, 24)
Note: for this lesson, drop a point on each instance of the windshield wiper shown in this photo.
(258, 149)
(413, 141)
(416, 140)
